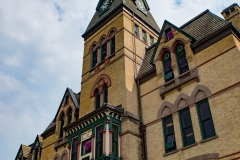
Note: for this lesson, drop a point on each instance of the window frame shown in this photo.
(104, 47)
(115, 140)
(69, 117)
(180, 69)
(201, 120)
(97, 142)
(165, 135)
(136, 30)
(73, 147)
(144, 36)
(94, 55)
(151, 40)
(166, 33)
(61, 127)
(183, 128)
(164, 61)
(112, 45)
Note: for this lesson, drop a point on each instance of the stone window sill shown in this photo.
(192, 145)
(167, 154)
(208, 139)
(60, 142)
(177, 82)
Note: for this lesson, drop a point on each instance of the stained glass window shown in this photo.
(86, 146)
(169, 34)
(74, 149)
(167, 64)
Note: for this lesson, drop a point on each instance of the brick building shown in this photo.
(149, 93)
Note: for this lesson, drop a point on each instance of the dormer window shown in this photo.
(169, 34)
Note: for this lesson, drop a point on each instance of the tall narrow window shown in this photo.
(169, 137)
(99, 141)
(151, 40)
(181, 58)
(144, 36)
(94, 58)
(61, 127)
(103, 51)
(112, 45)
(186, 127)
(205, 119)
(97, 99)
(74, 149)
(115, 141)
(69, 117)
(136, 30)
(66, 99)
(35, 154)
(167, 64)
(105, 93)
(169, 34)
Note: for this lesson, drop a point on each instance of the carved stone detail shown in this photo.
(166, 112)
(200, 95)
(182, 104)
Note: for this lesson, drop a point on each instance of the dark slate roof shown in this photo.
(52, 124)
(146, 66)
(74, 98)
(129, 4)
(204, 25)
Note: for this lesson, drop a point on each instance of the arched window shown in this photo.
(112, 42)
(97, 98)
(94, 55)
(167, 65)
(205, 119)
(69, 116)
(61, 125)
(181, 59)
(103, 49)
(105, 93)
(169, 134)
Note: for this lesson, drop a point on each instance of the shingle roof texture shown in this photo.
(130, 4)
(199, 27)
(146, 66)
(205, 25)
(52, 124)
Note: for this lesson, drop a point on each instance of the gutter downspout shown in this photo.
(142, 127)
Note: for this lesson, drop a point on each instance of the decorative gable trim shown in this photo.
(167, 24)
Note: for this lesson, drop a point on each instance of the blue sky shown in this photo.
(41, 52)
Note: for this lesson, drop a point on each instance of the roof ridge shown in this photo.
(195, 18)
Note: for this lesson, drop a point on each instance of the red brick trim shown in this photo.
(230, 155)
(130, 132)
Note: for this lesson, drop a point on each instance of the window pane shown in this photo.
(104, 51)
(87, 145)
(97, 100)
(189, 137)
(204, 110)
(99, 131)
(169, 34)
(186, 119)
(168, 66)
(113, 45)
(182, 60)
(99, 149)
(115, 149)
(170, 138)
(169, 126)
(75, 145)
(115, 132)
(208, 128)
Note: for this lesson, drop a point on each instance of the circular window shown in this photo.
(180, 48)
(167, 55)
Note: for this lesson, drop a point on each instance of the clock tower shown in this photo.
(115, 42)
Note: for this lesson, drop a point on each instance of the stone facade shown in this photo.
(137, 105)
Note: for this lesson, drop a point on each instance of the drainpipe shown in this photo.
(142, 127)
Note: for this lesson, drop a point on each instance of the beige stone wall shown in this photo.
(218, 69)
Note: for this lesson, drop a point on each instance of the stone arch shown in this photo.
(70, 108)
(162, 51)
(112, 32)
(56, 157)
(200, 92)
(102, 79)
(64, 155)
(62, 113)
(177, 42)
(166, 109)
(102, 40)
(93, 47)
(183, 101)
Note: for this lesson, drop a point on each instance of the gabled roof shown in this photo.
(37, 143)
(115, 8)
(23, 151)
(73, 97)
(166, 23)
(199, 27)
(146, 66)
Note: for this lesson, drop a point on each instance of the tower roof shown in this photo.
(116, 7)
